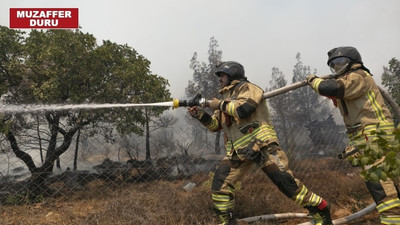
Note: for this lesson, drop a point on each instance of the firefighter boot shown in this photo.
(320, 216)
(226, 218)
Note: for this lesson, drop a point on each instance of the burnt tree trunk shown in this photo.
(40, 139)
(148, 156)
(37, 185)
(76, 150)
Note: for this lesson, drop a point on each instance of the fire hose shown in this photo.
(338, 221)
(202, 102)
(199, 101)
(196, 101)
(388, 98)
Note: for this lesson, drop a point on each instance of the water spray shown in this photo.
(31, 108)
(198, 100)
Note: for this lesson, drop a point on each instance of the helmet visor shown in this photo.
(339, 65)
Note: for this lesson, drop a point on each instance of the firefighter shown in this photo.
(362, 106)
(250, 138)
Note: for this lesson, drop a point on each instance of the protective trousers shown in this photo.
(385, 193)
(275, 167)
(386, 197)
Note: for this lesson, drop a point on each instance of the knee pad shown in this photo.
(376, 190)
(282, 179)
(220, 175)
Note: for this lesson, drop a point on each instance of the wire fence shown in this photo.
(172, 148)
(179, 151)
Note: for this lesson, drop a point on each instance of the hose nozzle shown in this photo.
(196, 101)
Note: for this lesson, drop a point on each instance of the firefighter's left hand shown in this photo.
(310, 79)
(195, 112)
(215, 103)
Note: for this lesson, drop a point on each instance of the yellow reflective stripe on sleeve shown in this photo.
(230, 109)
(316, 83)
(300, 196)
(214, 124)
(388, 205)
(377, 108)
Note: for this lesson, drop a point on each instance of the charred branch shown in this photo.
(25, 157)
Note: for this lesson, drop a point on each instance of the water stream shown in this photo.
(31, 108)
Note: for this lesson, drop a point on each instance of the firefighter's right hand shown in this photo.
(310, 79)
(253, 153)
(195, 112)
(255, 156)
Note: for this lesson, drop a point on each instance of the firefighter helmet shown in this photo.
(234, 70)
(340, 59)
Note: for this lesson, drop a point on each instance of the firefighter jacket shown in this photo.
(364, 111)
(359, 100)
(244, 118)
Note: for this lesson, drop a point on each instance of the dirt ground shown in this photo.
(166, 202)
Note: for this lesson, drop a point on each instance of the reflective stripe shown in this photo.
(228, 145)
(214, 124)
(222, 202)
(230, 108)
(377, 108)
(299, 197)
(316, 83)
(358, 138)
(263, 133)
(224, 206)
(220, 198)
(382, 126)
(390, 219)
(388, 205)
(318, 219)
(231, 190)
(228, 148)
(314, 200)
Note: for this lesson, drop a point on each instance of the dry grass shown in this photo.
(166, 202)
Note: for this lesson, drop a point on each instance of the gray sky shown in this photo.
(260, 34)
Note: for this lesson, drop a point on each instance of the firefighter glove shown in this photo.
(215, 103)
(196, 112)
(253, 153)
(349, 153)
(310, 79)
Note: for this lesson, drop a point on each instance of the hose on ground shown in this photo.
(342, 220)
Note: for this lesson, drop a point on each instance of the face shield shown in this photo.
(339, 65)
